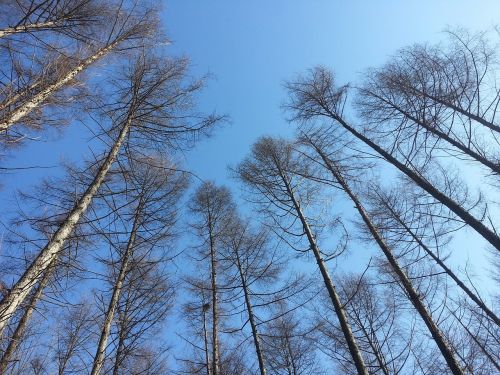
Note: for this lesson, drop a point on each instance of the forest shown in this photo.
(364, 241)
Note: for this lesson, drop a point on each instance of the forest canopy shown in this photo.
(362, 239)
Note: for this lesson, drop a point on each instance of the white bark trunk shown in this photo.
(332, 292)
(35, 271)
(16, 338)
(106, 329)
(23, 110)
(27, 28)
(17, 96)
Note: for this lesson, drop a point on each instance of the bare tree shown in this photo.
(153, 104)
(197, 314)
(73, 337)
(377, 322)
(40, 215)
(128, 29)
(68, 17)
(460, 77)
(147, 212)
(287, 346)
(405, 215)
(212, 208)
(315, 96)
(20, 329)
(395, 100)
(146, 300)
(247, 252)
(414, 296)
(253, 266)
(269, 173)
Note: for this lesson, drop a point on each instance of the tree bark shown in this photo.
(458, 210)
(20, 290)
(447, 270)
(215, 307)
(117, 288)
(28, 28)
(494, 167)
(414, 297)
(16, 338)
(251, 318)
(337, 304)
(121, 339)
(23, 110)
(205, 336)
(17, 96)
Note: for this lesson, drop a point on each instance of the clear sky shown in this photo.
(251, 47)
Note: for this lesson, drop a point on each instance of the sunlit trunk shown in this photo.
(413, 295)
(35, 271)
(23, 110)
(117, 288)
(27, 28)
(18, 334)
(337, 304)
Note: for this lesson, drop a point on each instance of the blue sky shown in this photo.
(251, 47)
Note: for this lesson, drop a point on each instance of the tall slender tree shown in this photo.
(316, 96)
(269, 173)
(413, 294)
(148, 212)
(153, 104)
(213, 209)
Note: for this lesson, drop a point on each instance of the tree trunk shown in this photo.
(20, 290)
(447, 270)
(337, 304)
(16, 338)
(205, 335)
(27, 28)
(106, 329)
(215, 307)
(251, 317)
(292, 367)
(18, 95)
(414, 297)
(494, 167)
(458, 210)
(458, 109)
(121, 340)
(23, 110)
